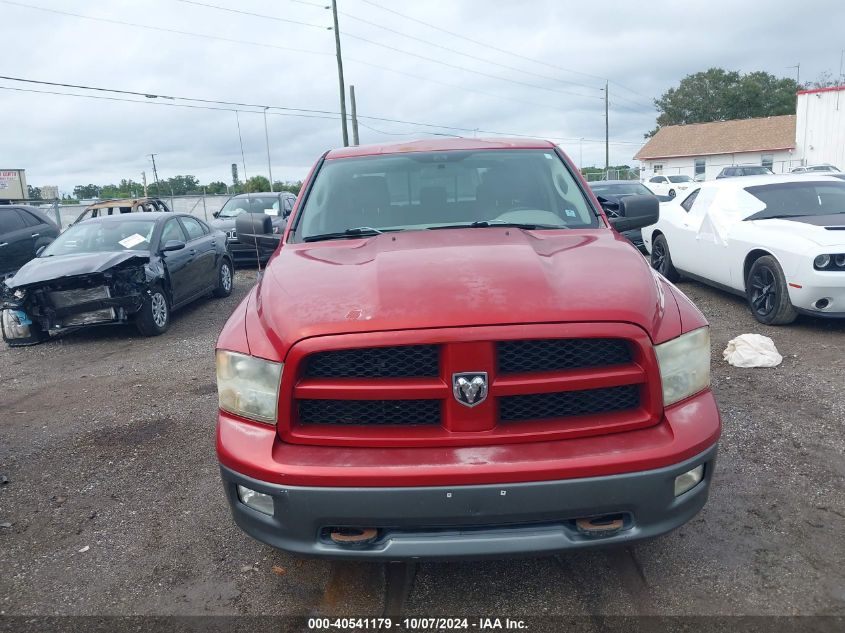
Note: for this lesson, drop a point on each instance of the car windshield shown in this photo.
(822, 168)
(680, 179)
(756, 171)
(427, 190)
(790, 199)
(620, 189)
(95, 236)
(250, 204)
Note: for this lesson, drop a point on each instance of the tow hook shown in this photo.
(353, 536)
(600, 526)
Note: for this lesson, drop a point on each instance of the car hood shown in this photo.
(453, 278)
(43, 269)
(824, 230)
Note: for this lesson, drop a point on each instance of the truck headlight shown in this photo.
(248, 386)
(684, 365)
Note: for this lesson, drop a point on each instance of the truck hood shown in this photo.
(452, 278)
(43, 269)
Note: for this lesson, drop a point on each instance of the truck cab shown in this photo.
(453, 353)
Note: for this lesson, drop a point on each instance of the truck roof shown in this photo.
(442, 144)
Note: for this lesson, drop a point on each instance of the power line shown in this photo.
(163, 29)
(319, 114)
(488, 45)
(257, 15)
(423, 57)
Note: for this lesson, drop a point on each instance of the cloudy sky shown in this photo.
(531, 68)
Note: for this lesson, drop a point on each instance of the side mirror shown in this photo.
(252, 227)
(216, 214)
(172, 245)
(635, 212)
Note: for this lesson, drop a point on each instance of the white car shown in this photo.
(779, 241)
(815, 169)
(670, 185)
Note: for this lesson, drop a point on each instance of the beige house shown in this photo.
(703, 149)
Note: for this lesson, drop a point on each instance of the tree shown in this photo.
(216, 187)
(33, 193)
(825, 80)
(720, 95)
(235, 180)
(85, 191)
(256, 184)
(292, 187)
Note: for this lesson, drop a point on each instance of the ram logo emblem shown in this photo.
(470, 388)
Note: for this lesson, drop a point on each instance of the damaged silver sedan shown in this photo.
(116, 269)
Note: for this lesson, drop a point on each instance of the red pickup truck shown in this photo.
(453, 353)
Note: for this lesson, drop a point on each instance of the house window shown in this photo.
(768, 161)
(699, 167)
(658, 168)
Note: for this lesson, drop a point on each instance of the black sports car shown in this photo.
(612, 190)
(116, 269)
(277, 205)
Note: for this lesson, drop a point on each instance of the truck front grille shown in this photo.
(405, 361)
(370, 412)
(517, 357)
(564, 404)
(536, 386)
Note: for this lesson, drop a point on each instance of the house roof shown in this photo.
(721, 137)
(815, 90)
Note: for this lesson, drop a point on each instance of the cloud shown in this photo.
(643, 48)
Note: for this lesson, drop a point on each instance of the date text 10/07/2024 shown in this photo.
(417, 624)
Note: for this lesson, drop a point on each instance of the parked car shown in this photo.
(744, 170)
(776, 240)
(116, 269)
(815, 169)
(277, 205)
(23, 230)
(669, 185)
(612, 190)
(118, 206)
(454, 354)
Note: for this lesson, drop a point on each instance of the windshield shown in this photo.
(822, 168)
(799, 199)
(756, 171)
(96, 236)
(250, 204)
(680, 179)
(425, 190)
(621, 189)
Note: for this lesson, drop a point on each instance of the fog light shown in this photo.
(264, 503)
(688, 480)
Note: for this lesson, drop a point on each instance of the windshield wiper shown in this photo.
(497, 223)
(361, 231)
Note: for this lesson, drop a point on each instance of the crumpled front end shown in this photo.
(31, 313)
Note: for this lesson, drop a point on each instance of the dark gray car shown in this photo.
(23, 230)
(277, 205)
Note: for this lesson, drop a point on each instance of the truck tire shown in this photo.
(661, 259)
(154, 316)
(767, 294)
(225, 279)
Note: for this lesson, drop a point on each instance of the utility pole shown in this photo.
(155, 174)
(267, 138)
(354, 115)
(144, 180)
(340, 76)
(606, 129)
(797, 68)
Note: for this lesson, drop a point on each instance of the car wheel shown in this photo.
(672, 193)
(224, 279)
(767, 293)
(154, 317)
(661, 259)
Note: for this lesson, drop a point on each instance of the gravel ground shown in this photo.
(113, 504)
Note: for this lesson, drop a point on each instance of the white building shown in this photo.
(705, 148)
(814, 135)
(820, 131)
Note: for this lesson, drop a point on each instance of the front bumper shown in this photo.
(815, 286)
(474, 521)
